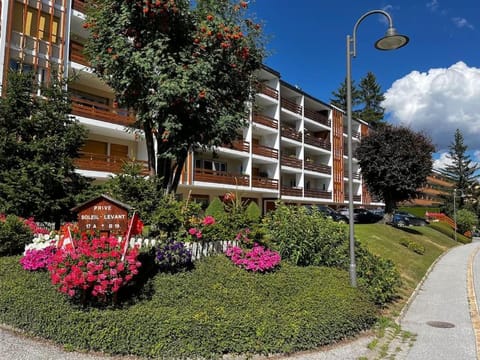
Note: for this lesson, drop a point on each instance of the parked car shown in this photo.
(329, 213)
(401, 219)
(361, 215)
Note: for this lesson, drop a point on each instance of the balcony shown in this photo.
(265, 183)
(321, 168)
(355, 176)
(79, 5)
(220, 177)
(76, 54)
(314, 141)
(291, 191)
(105, 163)
(265, 151)
(98, 111)
(292, 106)
(292, 161)
(291, 133)
(320, 194)
(316, 116)
(239, 145)
(267, 90)
(355, 134)
(265, 120)
(356, 198)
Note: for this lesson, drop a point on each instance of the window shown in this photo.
(43, 27)
(211, 165)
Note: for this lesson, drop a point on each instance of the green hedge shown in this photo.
(213, 310)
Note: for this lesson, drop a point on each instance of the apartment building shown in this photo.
(293, 149)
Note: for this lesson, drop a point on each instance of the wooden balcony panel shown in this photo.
(321, 168)
(291, 161)
(265, 183)
(321, 194)
(355, 134)
(267, 90)
(314, 141)
(265, 151)
(291, 133)
(265, 120)
(290, 105)
(356, 198)
(105, 163)
(221, 177)
(239, 145)
(93, 110)
(76, 54)
(79, 5)
(290, 191)
(315, 116)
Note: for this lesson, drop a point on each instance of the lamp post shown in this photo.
(455, 214)
(390, 41)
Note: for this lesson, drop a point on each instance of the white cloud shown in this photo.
(442, 161)
(438, 102)
(462, 23)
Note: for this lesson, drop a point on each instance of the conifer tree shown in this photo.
(340, 96)
(39, 140)
(371, 96)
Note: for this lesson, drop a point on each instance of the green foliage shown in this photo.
(308, 238)
(465, 220)
(39, 142)
(253, 212)
(14, 235)
(371, 96)
(214, 310)
(132, 187)
(447, 230)
(215, 208)
(412, 245)
(185, 68)
(395, 163)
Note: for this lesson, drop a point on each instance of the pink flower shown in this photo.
(208, 220)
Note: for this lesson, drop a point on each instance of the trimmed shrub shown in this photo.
(308, 238)
(215, 208)
(14, 235)
(216, 309)
(253, 212)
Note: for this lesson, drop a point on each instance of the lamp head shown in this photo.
(391, 40)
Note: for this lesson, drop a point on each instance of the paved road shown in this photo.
(440, 313)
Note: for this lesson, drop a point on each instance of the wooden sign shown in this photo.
(103, 214)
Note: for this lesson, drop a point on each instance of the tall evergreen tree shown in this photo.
(462, 171)
(340, 96)
(371, 96)
(38, 142)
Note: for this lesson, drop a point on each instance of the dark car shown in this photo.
(330, 213)
(361, 215)
(401, 219)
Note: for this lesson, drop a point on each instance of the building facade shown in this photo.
(293, 149)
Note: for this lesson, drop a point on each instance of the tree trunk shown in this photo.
(149, 139)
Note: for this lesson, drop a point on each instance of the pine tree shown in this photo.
(340, 97)
(39, 141)
(371, 96)
(461, 170)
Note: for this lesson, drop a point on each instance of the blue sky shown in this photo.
(431, 85)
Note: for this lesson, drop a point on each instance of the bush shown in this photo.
(466, 220)
(216, 309)
(412, 245)
(14, 235)
(173, 256)
(308, 238)
(215, 208)
(253, 212)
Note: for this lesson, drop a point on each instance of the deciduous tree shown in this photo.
(186, 68)
(395, 162)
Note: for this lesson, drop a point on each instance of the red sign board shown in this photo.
(103, 214)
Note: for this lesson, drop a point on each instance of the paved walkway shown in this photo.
(440, 314)
(442, 318)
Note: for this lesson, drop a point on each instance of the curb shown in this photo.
(472, 300)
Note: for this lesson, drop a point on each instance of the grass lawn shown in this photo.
(385, 241)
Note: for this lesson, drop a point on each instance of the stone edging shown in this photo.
(472, 301)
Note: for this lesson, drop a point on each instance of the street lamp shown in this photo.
(455, 211)
(390, 41)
